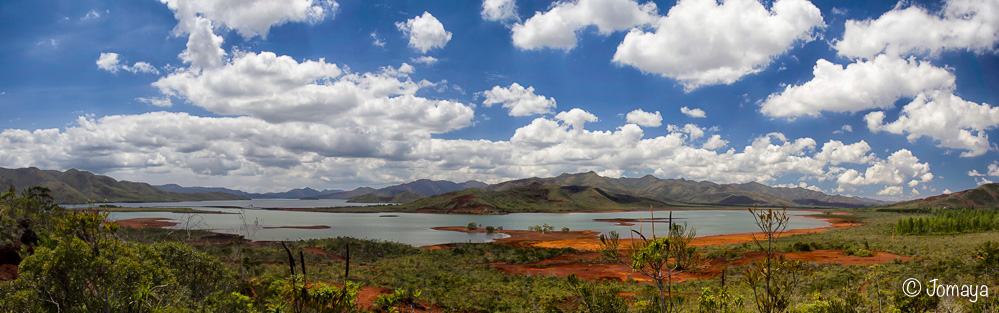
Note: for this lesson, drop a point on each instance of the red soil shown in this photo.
(8, 272)
(584, 265)
(147, 222)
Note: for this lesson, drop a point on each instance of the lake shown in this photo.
(415, 228)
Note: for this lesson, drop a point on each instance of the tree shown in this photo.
(658, 258)
(774, 279)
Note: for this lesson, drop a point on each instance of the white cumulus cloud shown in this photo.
(519, 100)
(280, 89)
(199, 19)
(250, 18)
(704, 42)
(835, 152)
(714, 143)
(646, 119)
(690, 129)
(891, 191)
(693, 112)
(499, 10)
(557, 27)
(877, 83)
(109, 61)
(954, 122)
(960, 25)
(425, 32)
(900, 167)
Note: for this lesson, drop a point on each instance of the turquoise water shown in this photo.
(415, 228)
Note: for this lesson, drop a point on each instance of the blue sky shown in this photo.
(868, 98)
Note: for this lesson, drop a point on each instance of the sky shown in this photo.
(880, 99)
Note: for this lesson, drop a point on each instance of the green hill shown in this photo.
(984, 197)
(78, 187)
(695, 192)
(404, 197)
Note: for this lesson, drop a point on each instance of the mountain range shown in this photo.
(80, 187)
(422, 188)
(290, 194)
(567, 192)
(984, 197)
(592, 192)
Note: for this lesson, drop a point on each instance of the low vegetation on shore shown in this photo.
(78, 261)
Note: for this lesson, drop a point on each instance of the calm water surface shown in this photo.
(415, 228)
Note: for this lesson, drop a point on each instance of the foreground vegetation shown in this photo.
(80, 262)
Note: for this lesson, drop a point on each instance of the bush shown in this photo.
(472, 226)
(490, 229)
(803, 247)
(565, 229)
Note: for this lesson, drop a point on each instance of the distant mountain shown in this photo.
(405, 197)
(290, 194)
(984, 197)
(420, 188)
(603, 193)
(79, 187)
(344, 195)
(533, 197)
(426, 187)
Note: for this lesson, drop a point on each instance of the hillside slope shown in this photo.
(695, 192)
(79, 187)
(984, 197)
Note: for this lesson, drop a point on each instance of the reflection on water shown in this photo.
(415, 228)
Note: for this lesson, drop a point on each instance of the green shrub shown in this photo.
(233, 302)
(719, 300)
(802, 247)
(472, 226)
(490, 229)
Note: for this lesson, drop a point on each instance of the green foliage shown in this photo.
(104, 275)
(595, 298)
(31, 210)
(863, 253)
(719, 300)
(490, 229)
(472, 226)
(801, 247)
(390, 303)
(80, 265)
(950, 221)
(987, 256)
(541, 228)
(200, 274)
(565, 229)
(229, 302)
(295, 296)
(659, 259)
